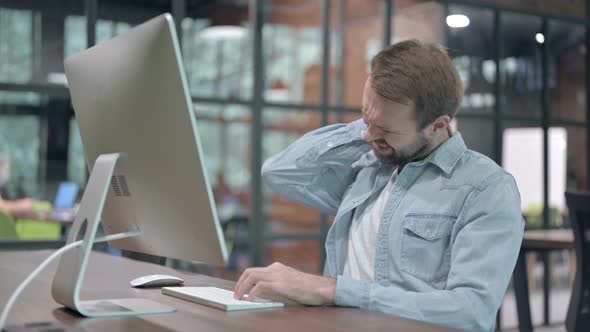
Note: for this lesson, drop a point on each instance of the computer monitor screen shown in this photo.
(66, 195)
(130, 96)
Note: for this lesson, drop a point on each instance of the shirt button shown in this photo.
(355, 202)
(330, 144)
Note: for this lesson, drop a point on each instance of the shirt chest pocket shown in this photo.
(426, 247)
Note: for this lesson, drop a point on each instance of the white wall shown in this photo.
(523, 157)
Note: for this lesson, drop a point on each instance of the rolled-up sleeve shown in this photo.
(317, 168)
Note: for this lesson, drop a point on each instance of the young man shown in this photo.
(21, 208)
(425, 228)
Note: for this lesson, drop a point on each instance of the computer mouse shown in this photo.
(156, 280)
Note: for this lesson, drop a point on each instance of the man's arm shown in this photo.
(483, 257)
(19, 209)
(317, 168)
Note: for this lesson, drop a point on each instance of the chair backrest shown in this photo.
(578, 315)
(7, 227)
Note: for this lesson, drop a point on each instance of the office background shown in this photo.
(263, 73)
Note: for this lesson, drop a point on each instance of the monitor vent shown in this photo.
(119, 185)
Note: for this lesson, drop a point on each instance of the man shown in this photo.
(20, 208)
(425, 228)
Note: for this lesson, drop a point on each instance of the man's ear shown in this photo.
(440, 125)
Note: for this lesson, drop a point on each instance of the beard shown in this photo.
(417, 151)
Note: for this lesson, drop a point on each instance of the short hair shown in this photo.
(422, 73)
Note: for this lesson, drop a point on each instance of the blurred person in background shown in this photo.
(17, 209)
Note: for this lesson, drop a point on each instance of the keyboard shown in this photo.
(218, 298)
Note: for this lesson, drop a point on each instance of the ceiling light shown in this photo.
(457, 21)
(223, 32)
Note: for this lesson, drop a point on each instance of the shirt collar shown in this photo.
(447, 154)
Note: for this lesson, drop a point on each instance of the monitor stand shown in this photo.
(67, 282)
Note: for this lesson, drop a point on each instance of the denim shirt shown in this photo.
(450, 232)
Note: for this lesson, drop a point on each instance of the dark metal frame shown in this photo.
(178, 10)
(257, 220)
(91, 17)
(342, 46)
(498, 138)
(588, 94)
(545, 122)
(325, 100)
(507, 9)
(387, 27)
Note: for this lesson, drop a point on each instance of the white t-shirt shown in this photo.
(363, 235)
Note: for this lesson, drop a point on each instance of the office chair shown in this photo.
(578, 314)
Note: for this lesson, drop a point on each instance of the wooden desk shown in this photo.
(108, 277)
(548, 239)
(536, 240)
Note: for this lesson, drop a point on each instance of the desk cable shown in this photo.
(48, 260)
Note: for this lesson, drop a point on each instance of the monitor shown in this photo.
(66, 195)
(141, 143)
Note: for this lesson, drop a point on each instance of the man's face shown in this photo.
(392, 129)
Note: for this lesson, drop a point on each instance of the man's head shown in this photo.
(409, 99)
